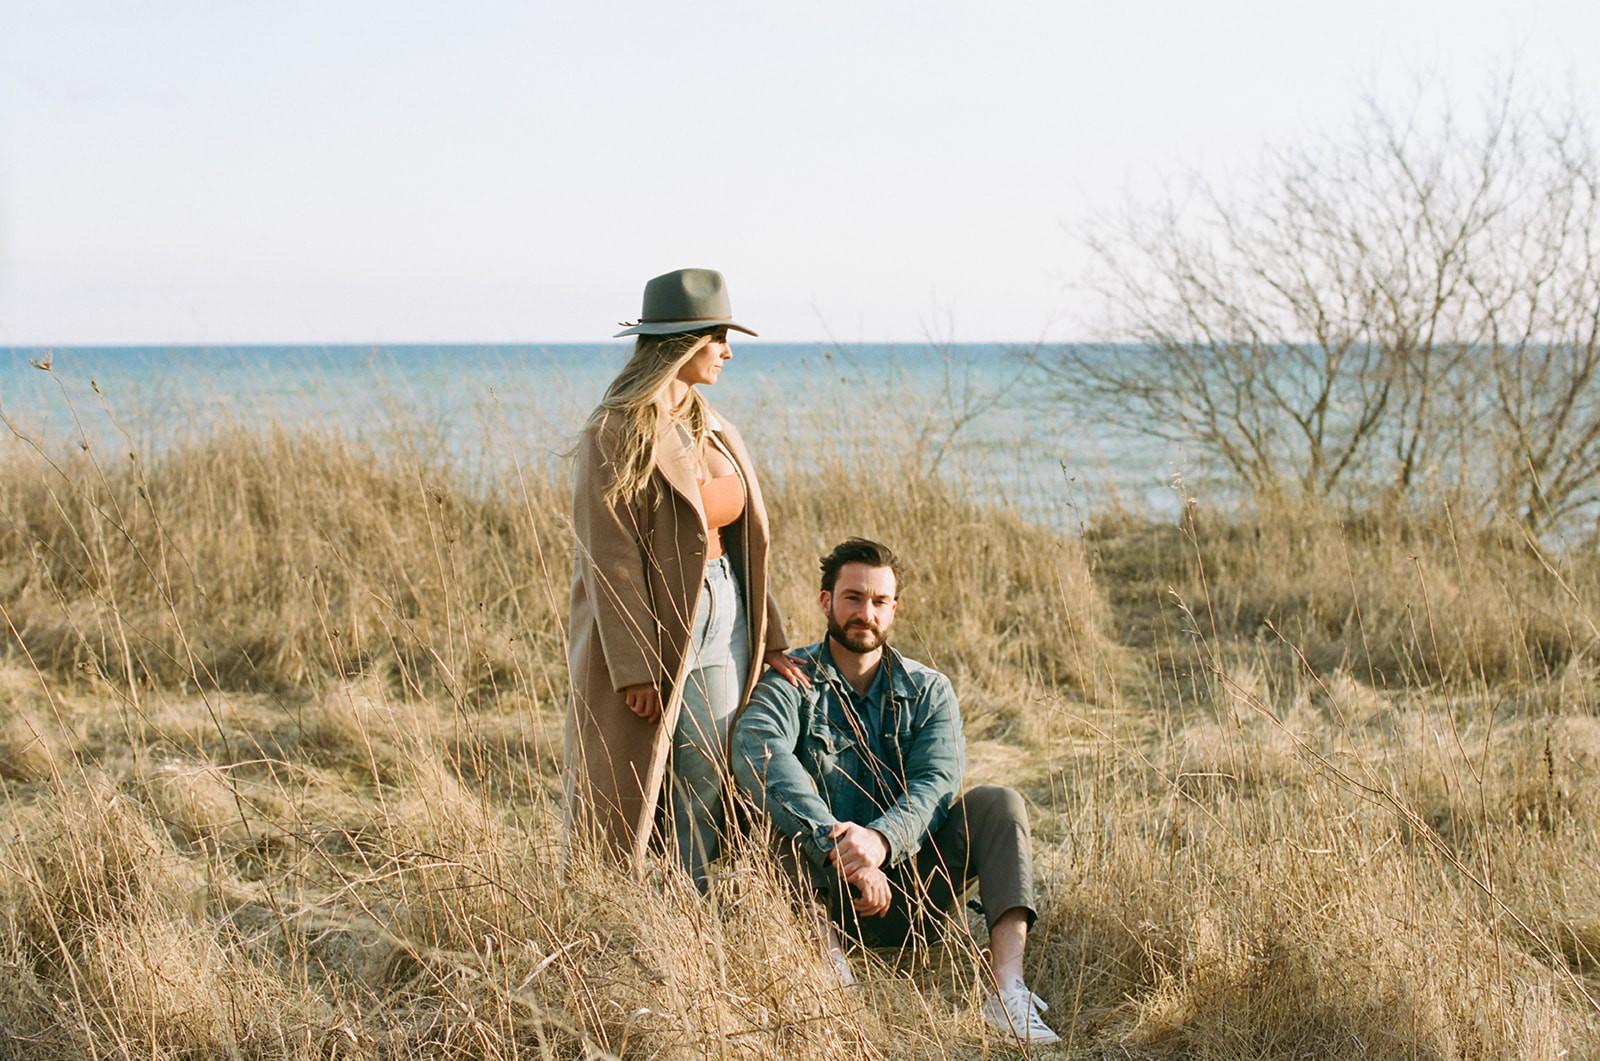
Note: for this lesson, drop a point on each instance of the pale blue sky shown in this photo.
(283, 171)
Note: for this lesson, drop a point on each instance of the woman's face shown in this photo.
(706, 364)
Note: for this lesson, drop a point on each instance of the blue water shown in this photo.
(960, 409)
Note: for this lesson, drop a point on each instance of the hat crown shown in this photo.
(686, 295)
(685, 300)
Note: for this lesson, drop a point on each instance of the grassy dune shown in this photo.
(280, 776)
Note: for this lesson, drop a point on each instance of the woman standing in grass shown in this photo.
(669, 589)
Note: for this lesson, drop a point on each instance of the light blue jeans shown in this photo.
(719, 663)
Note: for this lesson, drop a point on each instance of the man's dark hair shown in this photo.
(858, 551)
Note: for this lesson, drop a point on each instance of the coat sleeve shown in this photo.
(777, 637)
(611, 562)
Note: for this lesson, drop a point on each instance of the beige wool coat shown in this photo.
(638, 571)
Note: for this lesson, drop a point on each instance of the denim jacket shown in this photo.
(810, 759)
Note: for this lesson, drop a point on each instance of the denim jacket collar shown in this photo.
(899, 681)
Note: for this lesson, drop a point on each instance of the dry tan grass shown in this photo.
(28, 744)
(25, 750)
(287, 783)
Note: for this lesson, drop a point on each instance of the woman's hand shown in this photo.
(788, 667)
(644, 701)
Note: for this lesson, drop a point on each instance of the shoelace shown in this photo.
(1031, 1020)
(1021, 989)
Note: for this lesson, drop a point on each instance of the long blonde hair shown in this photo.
(631, 401)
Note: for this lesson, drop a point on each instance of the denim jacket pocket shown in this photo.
(821, 738)
(822, 746)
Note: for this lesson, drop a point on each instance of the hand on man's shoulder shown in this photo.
(774, 682)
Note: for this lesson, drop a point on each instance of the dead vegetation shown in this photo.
(280, 777)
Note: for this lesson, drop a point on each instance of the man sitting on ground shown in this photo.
(859, 774)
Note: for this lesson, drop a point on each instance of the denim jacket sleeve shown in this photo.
(767, 769)
(935, 760)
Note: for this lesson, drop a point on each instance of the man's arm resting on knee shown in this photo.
(856, 849)
(767, 769)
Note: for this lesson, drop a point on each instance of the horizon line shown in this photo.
(371, 344)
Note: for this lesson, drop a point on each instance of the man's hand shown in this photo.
(872, 893)
(856, 848)
(644, 701)
(787, 667)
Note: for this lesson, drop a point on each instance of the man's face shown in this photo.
(860, 609)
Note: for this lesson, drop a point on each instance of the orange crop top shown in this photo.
(723, 499)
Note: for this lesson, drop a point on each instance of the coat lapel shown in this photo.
(754, 508)
(676, 460)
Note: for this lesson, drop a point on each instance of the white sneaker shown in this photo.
(1015, 1010)
(841, 969)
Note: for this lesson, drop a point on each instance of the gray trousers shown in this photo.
(985, 838)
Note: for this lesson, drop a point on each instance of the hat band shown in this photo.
(663, 320)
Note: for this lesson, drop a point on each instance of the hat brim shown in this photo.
(675, 327)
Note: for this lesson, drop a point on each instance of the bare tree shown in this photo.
(1413, 302)
(1541, 315)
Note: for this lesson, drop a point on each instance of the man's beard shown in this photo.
(857, 637)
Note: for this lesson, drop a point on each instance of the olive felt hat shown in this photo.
(684, 300)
